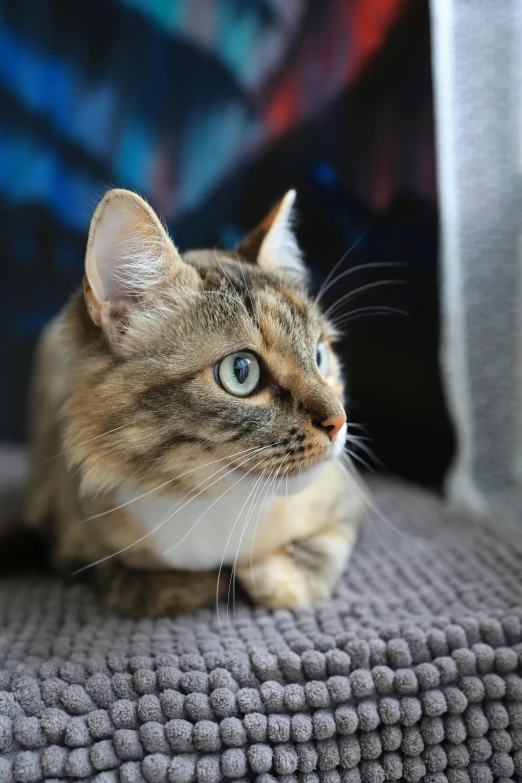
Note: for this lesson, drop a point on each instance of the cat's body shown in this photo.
(169, 463)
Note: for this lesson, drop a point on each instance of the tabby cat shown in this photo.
(187, 416)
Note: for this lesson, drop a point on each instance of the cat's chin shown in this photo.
(297, 483)
(291, 485)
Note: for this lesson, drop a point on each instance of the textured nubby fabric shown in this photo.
(411, 672)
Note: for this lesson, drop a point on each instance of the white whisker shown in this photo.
(359, 268)
(157, 527)
(267, 485)
(230, 282)
(259, 517)
(286, 518)
(194, 525)
(360, 290)
(361, 445)
(228, 296)
(181, 475)
(249, 514)
(371, 309)
(232, 580)
(368, 500)
(224, 555)
(251, 510)
(338, 264)
(356, 426)
(359, 459)
(89, 440)
(247, 288)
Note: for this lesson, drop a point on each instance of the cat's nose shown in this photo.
(333, 424)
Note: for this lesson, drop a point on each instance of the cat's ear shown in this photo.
(273, 246)
(129, 257)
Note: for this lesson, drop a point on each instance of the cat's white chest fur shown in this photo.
(207, 531)
(201, 533)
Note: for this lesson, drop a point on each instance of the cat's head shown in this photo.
(209, 358)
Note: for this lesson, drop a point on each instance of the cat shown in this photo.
(187, 416)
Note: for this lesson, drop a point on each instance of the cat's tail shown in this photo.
(136, 593)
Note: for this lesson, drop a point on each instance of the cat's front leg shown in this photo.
(301, 573)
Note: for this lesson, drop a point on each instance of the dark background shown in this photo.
(212, 110)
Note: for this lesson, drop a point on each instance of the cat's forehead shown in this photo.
(218, 269)
(273, 305)
(226, 270)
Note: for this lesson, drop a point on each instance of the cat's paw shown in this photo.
(279, 581)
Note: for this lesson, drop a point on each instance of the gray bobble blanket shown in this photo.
(411, 672)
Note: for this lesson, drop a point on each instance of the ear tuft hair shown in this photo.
(129, 257)
(273, 246)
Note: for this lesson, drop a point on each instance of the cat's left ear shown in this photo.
(273, 246)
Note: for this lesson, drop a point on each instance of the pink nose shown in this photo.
(333, 424)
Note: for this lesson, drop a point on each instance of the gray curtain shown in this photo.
(477, 67)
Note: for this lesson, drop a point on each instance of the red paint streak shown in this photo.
(371, 20)
(329, 58)
(284, 106)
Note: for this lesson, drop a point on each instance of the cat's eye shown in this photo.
(239, 374)
(322, 358)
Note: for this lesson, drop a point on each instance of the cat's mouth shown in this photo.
(296, 478)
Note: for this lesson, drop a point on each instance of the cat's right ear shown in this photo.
(129, 257)
(273, 245)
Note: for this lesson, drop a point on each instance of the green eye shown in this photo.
(239, 373)
(322, 358)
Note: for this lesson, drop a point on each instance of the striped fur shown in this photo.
(124, 385)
